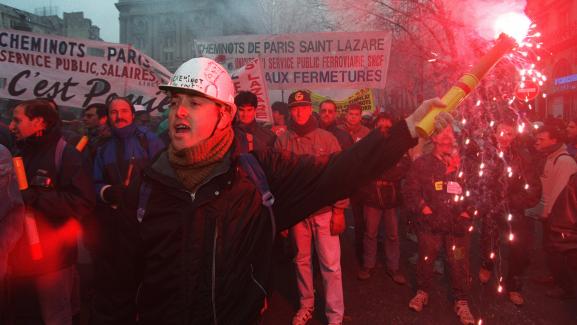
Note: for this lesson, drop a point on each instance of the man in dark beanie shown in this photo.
(60, 192)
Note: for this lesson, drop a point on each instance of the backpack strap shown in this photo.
(560, 155)
(251, 166)
(58, 153)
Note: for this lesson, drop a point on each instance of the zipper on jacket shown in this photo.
(214, 273)
(256, 281)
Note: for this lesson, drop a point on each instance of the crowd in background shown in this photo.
(438, 188)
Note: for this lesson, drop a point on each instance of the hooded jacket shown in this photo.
(207, 255)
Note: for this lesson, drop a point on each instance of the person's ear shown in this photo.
(39, 123)
(224, 119)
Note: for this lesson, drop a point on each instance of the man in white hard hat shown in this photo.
(206, 233)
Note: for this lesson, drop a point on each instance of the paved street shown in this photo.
(380, 301)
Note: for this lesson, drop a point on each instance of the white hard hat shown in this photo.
(205, 77)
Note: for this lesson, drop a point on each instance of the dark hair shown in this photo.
(554, 132)
(355, 106)
(101, 109)
(44, 108)
(280, 107)
(329, 101)
(124, 99)
(246, 98)
(384, 116)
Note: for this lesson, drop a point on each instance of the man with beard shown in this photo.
(117, 177)
(382, 198)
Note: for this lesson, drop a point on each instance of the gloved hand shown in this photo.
(441, 121)
(29, 196)
(338, 222)
(114, 194)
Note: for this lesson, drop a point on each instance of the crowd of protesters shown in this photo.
(180, 224)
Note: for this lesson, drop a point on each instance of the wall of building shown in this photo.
(165, 29)
(557, 21)
(72, 24)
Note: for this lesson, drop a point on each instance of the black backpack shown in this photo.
(561, 227)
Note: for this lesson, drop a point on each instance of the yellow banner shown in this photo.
(363, 97)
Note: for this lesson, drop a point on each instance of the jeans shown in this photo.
(457, 253)
(373, 218)
(316, 230)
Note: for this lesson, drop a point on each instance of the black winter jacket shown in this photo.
(344, 138)
(68, 197)
(428, 184)
(385, 191)
(207, 255)
(262, 138)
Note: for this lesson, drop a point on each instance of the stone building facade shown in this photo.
(72, 24)
(557, 21)
(165, 29)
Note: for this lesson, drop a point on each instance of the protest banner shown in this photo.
(250, 78)
(307, 60)
(363, 97)
(77, 72)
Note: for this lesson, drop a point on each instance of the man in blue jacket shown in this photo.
(117, 168)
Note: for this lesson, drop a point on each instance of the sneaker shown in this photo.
(462, 310)
(420, 300)
(302, 316)
(516, 297)
(364, 273)
(397, 276)
(560, 293)
(484, 275)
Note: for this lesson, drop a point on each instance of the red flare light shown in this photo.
(513, 24)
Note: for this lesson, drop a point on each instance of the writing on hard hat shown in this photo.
(203, 77)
